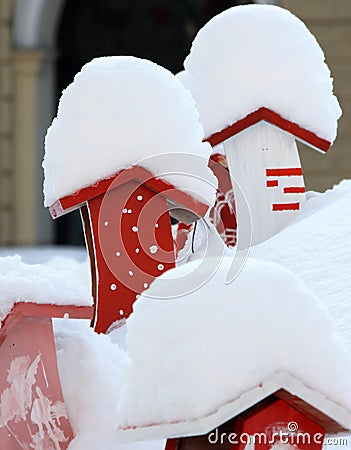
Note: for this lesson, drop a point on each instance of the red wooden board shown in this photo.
(132, 245)
(275, 119)
(32, 410)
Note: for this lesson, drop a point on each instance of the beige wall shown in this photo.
(6, 125)
(330, 22)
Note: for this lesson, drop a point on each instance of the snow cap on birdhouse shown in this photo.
(122, 111)
(260, 62)
(41, 285)
(211, 360)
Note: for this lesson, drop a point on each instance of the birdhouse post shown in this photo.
(128, 234)
(32, 409)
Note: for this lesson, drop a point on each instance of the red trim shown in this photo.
(22, 309)
(285, 206)
(272, 183)
(288, 172)
(76, 200)
(294, 190)
(275, 119)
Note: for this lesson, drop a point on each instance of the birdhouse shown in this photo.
(280, 411)
(264, 161)
(270, 88)
(128, 233)
(32, 409)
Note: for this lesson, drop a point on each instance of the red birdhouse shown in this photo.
(293, 415)
(128, 235)
(32, 409)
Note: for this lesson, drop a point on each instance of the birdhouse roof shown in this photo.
(265, 114)
(331, 416)
(120, 112)
(261, 56)
(39, 291)
(176, 197)
(221, 348)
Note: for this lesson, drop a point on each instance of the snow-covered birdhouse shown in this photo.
(237, 373)
(127, 149)
(259, 81)
(32, 409)
(293, 416)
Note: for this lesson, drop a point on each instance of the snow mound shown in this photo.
(90, 374)
(20, 282)
(256, 56)
(122, 111)
(317, 248)
(231, 337)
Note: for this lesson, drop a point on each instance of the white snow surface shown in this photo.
(90, 374)
(189, 356)
(122, 111)
(21, 282)
(317, 248)
(256, 56)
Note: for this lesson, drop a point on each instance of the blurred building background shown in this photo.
(43, 43)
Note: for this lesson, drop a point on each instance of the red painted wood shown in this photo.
(272, 183)
(285, 206)
(294, 190)
(284, 172)
(142, 176)
(273, 419)
(275, 119)
(126, 261)
(32, 409)
(172, 444)
(223, 215)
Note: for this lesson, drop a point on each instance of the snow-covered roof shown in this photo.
(191, 359)
(122, 111)
(35, 283)
(333, 415)
(256, 56)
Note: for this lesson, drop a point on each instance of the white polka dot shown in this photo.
(131, 273)
(146, 285)
(124, 210)
(118, 254)
(153, 249)
(137, 250)
(160, 267)
(140, 197)
(130, 211)
(156, 226)
(135, 229)
(121, 312)
(106, 223)
(113, 287)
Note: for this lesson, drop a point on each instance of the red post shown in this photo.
(33, 414)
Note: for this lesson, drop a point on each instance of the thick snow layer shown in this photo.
(90, 373)
(20, 282)
(260, 55)
(191, 355)
(317, 248)
(122, 111)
